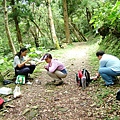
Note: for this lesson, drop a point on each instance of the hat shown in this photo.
(45, 56)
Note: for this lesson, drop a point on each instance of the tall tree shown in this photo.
(15, 17)
(66, 22)
(7, 28)
(35, 34)
(52, 28)
(79, 33)
(88, 15)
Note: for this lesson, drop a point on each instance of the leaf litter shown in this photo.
(67, 101)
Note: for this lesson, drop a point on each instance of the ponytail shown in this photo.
(21, 50)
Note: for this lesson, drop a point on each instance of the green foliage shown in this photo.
(108, 13)
(105, 93)
(34, 53)
(72, 6)
(110, 45)
(104, 96)
(5, 64)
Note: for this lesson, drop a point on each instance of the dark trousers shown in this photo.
(25, 70)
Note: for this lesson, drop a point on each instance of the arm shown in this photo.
(52, 66)
(97, 76)
(46, 67)
(24, 63)
(18, 63)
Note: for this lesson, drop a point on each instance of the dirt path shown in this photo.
(65, 102)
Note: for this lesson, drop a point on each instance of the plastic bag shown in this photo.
(17, 92)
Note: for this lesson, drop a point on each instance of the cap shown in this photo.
(45, 56)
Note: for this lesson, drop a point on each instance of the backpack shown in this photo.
(5, 82)
(118, 95)
(1, 103)
(83, 78)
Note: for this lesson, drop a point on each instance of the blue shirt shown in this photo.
(110, 61)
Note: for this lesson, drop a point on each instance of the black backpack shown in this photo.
(83, 82)
(118, 95)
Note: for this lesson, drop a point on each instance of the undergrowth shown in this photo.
(105, 97)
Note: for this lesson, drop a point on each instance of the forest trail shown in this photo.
(65, 102)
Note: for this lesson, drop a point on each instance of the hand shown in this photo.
(28, 59)
(46, 68)
(98, 75)
(27, 63)
(95, 78)
(32, 63)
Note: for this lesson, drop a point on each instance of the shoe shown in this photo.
(58, 82)
(29, 77)
(116, 81)
(50, 83)
(109, 85)
(29, 83)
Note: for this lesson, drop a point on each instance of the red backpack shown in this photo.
(1, 103)
(83, 78)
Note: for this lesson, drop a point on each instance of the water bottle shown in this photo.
(83, 80)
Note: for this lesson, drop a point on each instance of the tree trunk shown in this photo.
(15, 17)
(88, 14)
(66, 22)
(1, 77)
(52, 28)
(80, 33)
(37, 27)
(7, 29)
(35, 35)
(76, 33)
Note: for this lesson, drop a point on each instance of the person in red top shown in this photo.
(55, 69)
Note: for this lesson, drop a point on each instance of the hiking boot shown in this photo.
(58, 82)
(116, 81)
(50, 83)
(30, 78)
(109, 85)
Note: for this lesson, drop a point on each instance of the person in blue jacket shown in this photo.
(109, 67)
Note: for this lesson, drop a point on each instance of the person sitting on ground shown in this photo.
(55, 69)
(21, 65)
(109, 67)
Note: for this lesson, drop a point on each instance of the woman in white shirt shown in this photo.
(20, 64)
